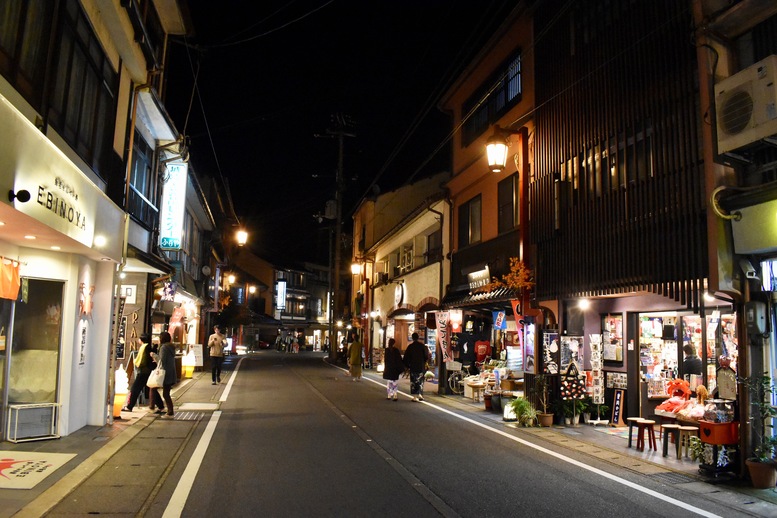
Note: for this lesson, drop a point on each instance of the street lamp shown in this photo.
(496, 148)
(242, 237)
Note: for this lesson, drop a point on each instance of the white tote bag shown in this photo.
(157, 378)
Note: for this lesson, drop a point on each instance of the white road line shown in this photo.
(610, 476)
(181, 494)
(225, 394)
(569, 460)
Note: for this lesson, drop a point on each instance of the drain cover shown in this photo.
(670, 477)
(188, 416)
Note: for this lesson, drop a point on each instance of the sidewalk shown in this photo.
(131, 455)
(134, 453)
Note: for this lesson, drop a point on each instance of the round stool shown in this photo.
(632, 421)
(684, 444)
(674, 431)
(646, 425)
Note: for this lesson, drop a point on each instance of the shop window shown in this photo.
(37, 337)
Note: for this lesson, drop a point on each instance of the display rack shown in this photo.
(32, 422)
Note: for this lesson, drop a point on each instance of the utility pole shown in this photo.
(338, 131)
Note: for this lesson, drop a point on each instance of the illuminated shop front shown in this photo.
(62, 239)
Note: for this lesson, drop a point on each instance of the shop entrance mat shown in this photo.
(24, 469)
(617, 431)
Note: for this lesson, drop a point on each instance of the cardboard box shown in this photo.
(719, 433)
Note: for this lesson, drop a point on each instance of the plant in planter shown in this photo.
(541, 389)
(761, 465)
(525, 412)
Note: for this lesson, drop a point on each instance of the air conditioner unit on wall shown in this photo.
(746, 105)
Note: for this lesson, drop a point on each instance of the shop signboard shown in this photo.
(173, 203)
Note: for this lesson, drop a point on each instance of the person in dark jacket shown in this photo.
(416, 356)
(143, 367)
(392, 369)
(167, 362)
(692, 363)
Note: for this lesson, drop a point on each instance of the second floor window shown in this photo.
(508, 203)
(499, 93)
(143, 184)
(469, 222)
(83, 99)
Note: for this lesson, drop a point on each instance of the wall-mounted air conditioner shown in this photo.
(746, 105)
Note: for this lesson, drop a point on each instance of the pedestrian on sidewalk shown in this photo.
(355, 357)
(143, 367)
(216, 343)
(416, 356)
(392, 369)
(167, 362)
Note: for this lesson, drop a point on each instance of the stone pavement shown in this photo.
(119, 468)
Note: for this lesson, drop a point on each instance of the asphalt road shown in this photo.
(297, 437)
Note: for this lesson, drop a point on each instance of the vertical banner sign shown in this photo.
(500, 321)
(617, 409)
(172, 210)
(442, 335)
(597, 374)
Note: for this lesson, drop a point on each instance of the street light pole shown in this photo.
(340, 122)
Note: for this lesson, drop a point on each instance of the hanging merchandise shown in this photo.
(9, 279)
(572, 383)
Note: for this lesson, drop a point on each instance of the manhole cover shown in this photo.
(670, 477)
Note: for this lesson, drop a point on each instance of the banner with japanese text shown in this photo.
(441, 317)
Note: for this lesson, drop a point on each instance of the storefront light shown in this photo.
(584, 304)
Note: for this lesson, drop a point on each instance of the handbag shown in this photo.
(156, 379)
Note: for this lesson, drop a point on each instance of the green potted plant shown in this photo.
(761, 465)
(524, 411)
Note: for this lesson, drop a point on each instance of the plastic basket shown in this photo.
(453, 366)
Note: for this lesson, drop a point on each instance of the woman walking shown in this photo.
(167, 362)
(392, 369)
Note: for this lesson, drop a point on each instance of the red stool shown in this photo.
(646, 425)
(632, 421)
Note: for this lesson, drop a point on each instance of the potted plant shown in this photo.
(524, 411)
(761, 465)
(541, 389)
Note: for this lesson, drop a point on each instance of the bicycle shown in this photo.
(457, 373)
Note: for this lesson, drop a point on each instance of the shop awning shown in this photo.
(495, 299)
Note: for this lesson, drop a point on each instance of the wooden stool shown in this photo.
(684, 444)
(674, 430)
(477, 391)
(646, 425)
(632, 421)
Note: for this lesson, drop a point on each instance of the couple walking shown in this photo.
(416, 357)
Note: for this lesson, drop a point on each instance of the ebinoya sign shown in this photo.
(173, 205)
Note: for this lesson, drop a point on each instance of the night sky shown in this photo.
(272, 74)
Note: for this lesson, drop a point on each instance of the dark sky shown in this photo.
(271, 75)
